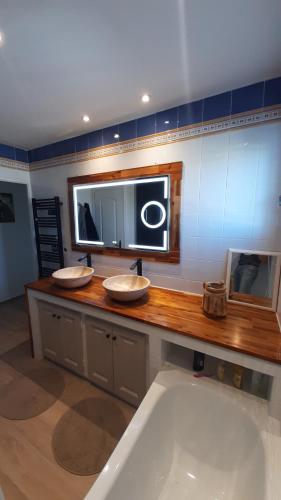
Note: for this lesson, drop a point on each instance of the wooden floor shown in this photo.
(28, 469)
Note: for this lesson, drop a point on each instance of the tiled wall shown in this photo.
(13, 153)
(231, 182)
(231, 185)
(256, 96)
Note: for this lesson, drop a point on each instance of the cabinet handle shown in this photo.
(58, 317)
(108, 335)
(114, 338)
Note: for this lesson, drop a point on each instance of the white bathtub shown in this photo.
(194, 439)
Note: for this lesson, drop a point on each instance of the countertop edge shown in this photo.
(187, 333)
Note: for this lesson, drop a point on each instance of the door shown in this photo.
(129, 361)
(71, 340)
(50, 331)
(99, 352)
(109, 218)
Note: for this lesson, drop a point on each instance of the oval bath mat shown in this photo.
(31, 393)
(87, 434)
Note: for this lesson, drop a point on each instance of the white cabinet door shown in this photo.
(50, 331)
(129, 361)
(62, 336)
(116, 356)
(99, 353)
(71, 340)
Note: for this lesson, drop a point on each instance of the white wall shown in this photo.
(16, 249)
(231, 184)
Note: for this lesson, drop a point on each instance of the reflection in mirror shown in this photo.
(252, 277)
(127, 214)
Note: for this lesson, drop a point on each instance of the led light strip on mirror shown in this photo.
(163, 216)
(165, 180)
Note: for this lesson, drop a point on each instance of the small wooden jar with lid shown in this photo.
(214, 299)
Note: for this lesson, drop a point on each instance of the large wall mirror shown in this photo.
(253, 277)
(133, 211)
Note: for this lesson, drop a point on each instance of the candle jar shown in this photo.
(214, 299)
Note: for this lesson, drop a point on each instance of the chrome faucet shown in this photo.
(137, 264)
(89, 259)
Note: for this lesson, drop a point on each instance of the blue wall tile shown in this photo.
(21, 155)
(272, 94)
(33, 155)
(190, 113)
(7, 151)
(217, 106)
(146, 125)
(95, 139)
(128, 130)
(42, 153)
(108, 134)
(64, 147)
(247, 98)
(82, 142)
(244, 99)
(49, 151)
(170, 116)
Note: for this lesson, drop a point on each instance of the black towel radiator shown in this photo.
(47, 224)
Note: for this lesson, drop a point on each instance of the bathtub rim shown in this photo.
(169, 376)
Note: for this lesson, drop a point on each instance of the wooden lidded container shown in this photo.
(214, 299)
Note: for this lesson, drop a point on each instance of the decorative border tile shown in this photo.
(18, 165)
(160, 139)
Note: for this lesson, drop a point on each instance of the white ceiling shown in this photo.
(64, 58)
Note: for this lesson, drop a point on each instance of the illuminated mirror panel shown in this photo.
(126, 214)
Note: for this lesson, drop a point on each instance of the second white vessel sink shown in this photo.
(126, 287)
(73, 277)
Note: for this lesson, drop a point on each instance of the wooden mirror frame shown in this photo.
(174, 170)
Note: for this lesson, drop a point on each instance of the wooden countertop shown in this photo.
(245, 329)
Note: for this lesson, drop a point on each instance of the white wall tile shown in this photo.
(191, 187)
(215, 147)
(210, 225)
(212, 186)
(231, 183)
(200, 270)
(210, 249)
(189, 247)
(189, 226)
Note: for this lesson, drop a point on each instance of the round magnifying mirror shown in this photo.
(153, 214)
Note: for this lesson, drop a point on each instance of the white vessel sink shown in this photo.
(126, 287)
(73, 277)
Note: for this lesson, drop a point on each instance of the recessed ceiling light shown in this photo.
(167, 122)
(145, 98)
(86, 118)
(1, 38)
(116, 136)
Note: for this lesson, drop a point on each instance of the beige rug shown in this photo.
(31, 393)
(87, 434)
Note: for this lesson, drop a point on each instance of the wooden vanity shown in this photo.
(130, 338)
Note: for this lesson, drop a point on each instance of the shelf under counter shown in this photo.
(247, 330)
